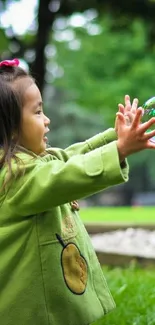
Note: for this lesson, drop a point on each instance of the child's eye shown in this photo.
(39, 112)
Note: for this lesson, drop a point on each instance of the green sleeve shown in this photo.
(54, 182)
(85, 146)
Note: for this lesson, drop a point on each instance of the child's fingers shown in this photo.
(137, 117)
(129, 117)
(149, 135)
(145, 126)
(121, 108)
(150, 145)
(120, 117)
(134, 105)
(127, 102)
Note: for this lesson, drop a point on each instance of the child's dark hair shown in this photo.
(11, 102)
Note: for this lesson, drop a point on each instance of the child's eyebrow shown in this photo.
(40, 104)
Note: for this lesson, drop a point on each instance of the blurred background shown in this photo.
(85, 56)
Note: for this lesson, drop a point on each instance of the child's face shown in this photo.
(34, 124)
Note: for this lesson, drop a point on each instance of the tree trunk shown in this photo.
(45, 22)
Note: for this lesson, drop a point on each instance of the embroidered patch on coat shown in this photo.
(68, 225)
(74, 266)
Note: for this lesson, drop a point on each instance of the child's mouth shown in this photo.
(45, 139)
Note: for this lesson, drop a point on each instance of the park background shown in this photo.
(85, 56)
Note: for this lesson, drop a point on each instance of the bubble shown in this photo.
(148, 113)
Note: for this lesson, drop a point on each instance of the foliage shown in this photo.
(96, 64)
(104, 67)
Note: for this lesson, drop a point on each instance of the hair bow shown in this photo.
(9, 63)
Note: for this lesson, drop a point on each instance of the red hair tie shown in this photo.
(9, 63)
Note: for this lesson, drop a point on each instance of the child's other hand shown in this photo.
(133, 138)
(128, 110)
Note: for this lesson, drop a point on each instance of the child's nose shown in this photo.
(47, 120)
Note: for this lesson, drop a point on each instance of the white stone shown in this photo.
(135, 242)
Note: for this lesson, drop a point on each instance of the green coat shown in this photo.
(49, 273)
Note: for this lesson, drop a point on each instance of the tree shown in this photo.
(96, 70)
(49, 10)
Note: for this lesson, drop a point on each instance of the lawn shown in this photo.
(119, 214)
(134, 293)
(133, 289)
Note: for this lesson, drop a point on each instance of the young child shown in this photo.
(49, 273)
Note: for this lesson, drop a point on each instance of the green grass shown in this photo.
(134, 293)
(133, 289)
(119, 214)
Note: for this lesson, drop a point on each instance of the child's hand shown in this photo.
(133, 138)
(129, 110)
